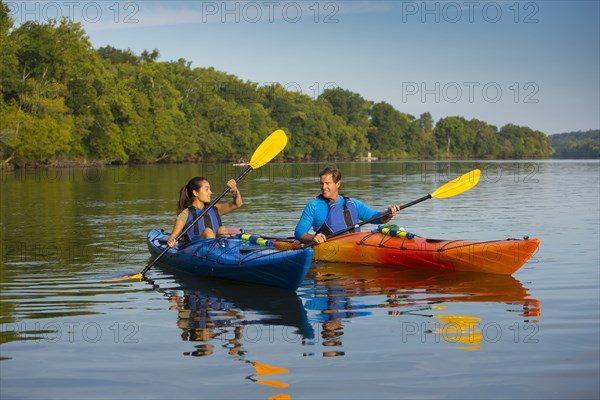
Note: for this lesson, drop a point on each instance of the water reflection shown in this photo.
(41, 307)
(336, 293)
(212, 310)
(264, 369)
(225, 314)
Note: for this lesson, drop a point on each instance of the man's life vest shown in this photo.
(339, 216)
(210, 220)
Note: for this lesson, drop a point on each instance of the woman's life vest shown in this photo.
(210, 220)
(339, 216)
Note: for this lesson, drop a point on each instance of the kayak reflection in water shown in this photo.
(219, 313)
(193, 198)
(433, 306)
(331, 212)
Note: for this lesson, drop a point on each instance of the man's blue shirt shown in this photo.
(315, 214)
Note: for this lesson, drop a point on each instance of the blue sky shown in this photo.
(531, 63)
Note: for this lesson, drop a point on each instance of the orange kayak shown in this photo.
(497, 257)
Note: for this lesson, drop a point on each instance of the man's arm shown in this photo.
(304, 224)
(365, 213)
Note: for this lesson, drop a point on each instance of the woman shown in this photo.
(193, 198)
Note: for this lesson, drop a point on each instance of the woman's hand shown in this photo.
(234, 190)
(237, 200)
(232, 185)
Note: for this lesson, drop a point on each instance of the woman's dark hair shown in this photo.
(186, 194)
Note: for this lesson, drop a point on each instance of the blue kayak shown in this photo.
(235, 259)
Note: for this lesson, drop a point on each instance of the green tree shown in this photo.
(117, 56)
(9, 63)
(353, 109)
(425, 122)
(348, 105)
(149, 56)
(283, 108)
(454, 137)
(578, 145)
(523, 142)
(390, 130)
(43, 129)
(260, 124)
(486, 140)
(36, 51)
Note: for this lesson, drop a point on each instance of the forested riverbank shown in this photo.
(65, 103)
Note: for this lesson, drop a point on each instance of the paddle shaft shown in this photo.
(206, 209)
(356, 226)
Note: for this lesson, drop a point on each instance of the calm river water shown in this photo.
(349, 332)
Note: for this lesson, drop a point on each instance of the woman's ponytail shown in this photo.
(186, 193)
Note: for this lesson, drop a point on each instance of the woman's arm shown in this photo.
(177, 228)
(235, 203)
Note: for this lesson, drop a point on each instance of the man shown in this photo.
(331, 212)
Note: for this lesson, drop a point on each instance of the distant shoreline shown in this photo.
(99, 164)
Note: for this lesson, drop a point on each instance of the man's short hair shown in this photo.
(334, 172)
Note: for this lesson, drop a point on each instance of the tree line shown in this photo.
(577, 144)
(62, 101)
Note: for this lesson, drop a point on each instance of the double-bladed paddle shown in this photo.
(264, 153)
(452, 188)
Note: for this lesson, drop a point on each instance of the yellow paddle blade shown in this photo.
(459, 328)
(458, 185)
(268, 149)
(280, 396)
(459, 320)
(276, 384)
(124, 278)
(264, 369)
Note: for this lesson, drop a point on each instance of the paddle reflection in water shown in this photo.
(213, 309)
(218, 313)
(336, 293)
